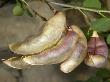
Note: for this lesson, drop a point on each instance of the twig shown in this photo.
(54, 11)
(81, 8)
(43, 18)
(101, 14)
(85, 16)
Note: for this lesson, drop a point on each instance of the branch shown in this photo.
(43, 18)
(80, 8)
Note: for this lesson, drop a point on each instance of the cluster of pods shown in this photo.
(59, 43)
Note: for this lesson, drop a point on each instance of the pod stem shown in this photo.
(50, 6)
(43, 18)
(95, 34)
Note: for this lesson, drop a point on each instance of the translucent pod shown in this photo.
(75, 60)
(80, 33)
(51, 34)
(16, 62)
(97, 51)
(56, 54)
(78, 54)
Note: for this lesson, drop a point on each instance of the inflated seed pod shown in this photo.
(78, 54)
(50, 35)
(16, 62)
(56, 54)
(97, 51)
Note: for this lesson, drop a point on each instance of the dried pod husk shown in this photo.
(16, 62)
(97, 52)
(51, 34)
(78, 54)
(56, 54)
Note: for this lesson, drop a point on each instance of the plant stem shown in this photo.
(81, 8)
(43, 18)
(53, 10)
(101, 14)
(85, 17)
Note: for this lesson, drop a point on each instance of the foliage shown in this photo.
(92, 4)
(21, 8)
(101, 25)
(102, 75)
(18, 10)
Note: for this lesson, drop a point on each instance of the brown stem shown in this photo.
(50, 6)
(43, 18)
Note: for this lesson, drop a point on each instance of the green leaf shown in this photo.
(93, 79)
(18, 10)
(108, 39)
(101, 25)
(89, 34)
(92, 4)
(103, 73)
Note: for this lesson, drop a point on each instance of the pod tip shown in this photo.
(8, 62)
(95, 34)
(67, 67)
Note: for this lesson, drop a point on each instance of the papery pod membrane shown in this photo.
(56, 54)
(97, 51)
(51, 34)
(16, 62)
(78, 54)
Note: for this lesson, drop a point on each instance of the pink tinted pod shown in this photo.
(78, 54)
(56, 54)
(97, 51)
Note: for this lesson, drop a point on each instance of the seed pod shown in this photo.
(56, 54)
(16, 62)
(97, 51)
(50, 35)
(78, 54)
